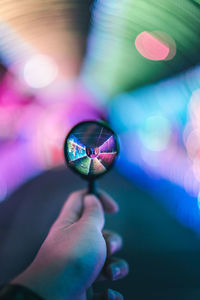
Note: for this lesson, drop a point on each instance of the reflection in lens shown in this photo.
(91, 148)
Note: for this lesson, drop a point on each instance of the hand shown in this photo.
(74, 253)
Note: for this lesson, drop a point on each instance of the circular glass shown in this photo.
(91, 148)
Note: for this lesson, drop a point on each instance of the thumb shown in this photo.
(92, 212)
(72, 209)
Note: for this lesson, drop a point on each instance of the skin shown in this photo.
(77, 252)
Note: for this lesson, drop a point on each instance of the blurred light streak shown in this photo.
(3, 189)
(192, 135)
(170, 164)
(192, 144)
(158, 126)
(18, 162)
(194, 108)
(32, 132)
(113, 65)
(14, 50)
(198, 199)
(57, 29)
(165, 182)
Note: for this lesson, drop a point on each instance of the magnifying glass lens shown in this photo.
(91, 148)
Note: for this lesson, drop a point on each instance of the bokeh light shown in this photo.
(40, 71)
(198, 201)
(194, 107)
(192, 144)
(155, 45)
(155, 133)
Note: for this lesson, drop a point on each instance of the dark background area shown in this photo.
(163, 255)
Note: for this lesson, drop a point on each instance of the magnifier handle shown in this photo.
(92, 187)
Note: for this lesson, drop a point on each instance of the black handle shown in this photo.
(92, 187)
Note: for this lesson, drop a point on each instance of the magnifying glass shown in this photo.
(91, 149)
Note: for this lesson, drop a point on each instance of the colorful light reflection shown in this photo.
(91, 148)
(159, 129)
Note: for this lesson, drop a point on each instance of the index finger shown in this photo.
(109, 205)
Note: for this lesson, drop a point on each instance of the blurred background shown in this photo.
(134, 63)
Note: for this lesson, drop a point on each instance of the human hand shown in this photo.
(75, 252)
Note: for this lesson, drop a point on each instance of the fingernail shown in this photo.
(118, 270)
(116, 207)
(113, 245)
(114, 295)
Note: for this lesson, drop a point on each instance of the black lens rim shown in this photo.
(98, 122)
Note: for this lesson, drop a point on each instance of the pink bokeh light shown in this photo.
(155, 46)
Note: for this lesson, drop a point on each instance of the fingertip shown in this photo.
(109, 295)
(114, 208)
(75, 195)
(72, 208)
(114, 241)
(114, 295)
(110, 205)
(117, 270)
(92, 211)
(91, 200)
